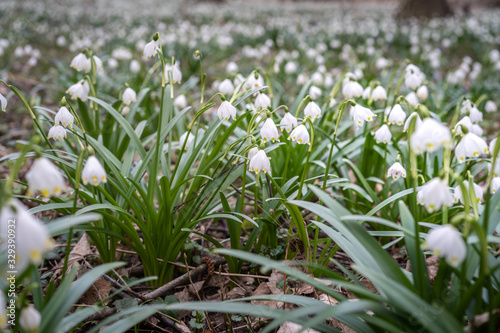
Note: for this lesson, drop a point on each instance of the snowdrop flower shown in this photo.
(81, 62)
(383, 134)
(57, 133)
(80, 90)
(422, 93)
(352, 89)
(490, 106)
(379, 94)
(129, 96)
(360, 114)
(151, 48)
(93, 172)
(445, 241)
(458, 195)
(176, 73)
(3, 102)
(312, 110)
(465, 121)
(300, 135)
(397, 115)
(30, 319)
(226, 87)
(189, 141)
(252, 152)
(262, 101)
(288, 122)
(260, 162)
(32, 237)
(413, 77)
(315, 92)
(495, 184)
(408, 121)
(470, 146)
(430, 136)
(290, 67)
(396, 171)
(226, 111)
(181, 101)
(44, 177)
(412, 98)
(269, 132)
(435, 194)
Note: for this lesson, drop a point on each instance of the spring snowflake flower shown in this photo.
(475, 115)
(98, 63)
(93, 172)
(300, 135)
(226, 87)
(492, 145)
(471, 145)
(3, 102)
(360, 114)
(490, 106)
(495, 185)
(269, 132)
(408, 121)
(57, 133)
(81, 62)
(151, 49)
(176, 73)
(231, 67)
(315, 92)
(135, 66)
(422, 93)
(412, 98)
(312, 111)
(458, 195)
(352, 89)
(379, 94)
(189, 141)
(226, 111)
(396, 171)
(30, 319)
(64, 117)
(445, 241)
(397, 115)
(80, 90)
(44, 177)
(32, 237)
(129, 96)
(383, 134)
(465, 121)
(181, 101)
(290, 67)
(413, 77)
(288, 122)
(435, 194)
(252, 152)
(260, 162)
(253, 81)
(262, 101)
(430, 136)
(366, 93)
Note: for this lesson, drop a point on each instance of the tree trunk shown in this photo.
(424, 9)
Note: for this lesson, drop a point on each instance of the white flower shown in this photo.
(492, 145)
(64, 117)
(396, 171)
(397, 115)
(317, 78)
(495, 184)
(436, 194)
(418, 122)
(181, 101)
(30, 319)
(445, 241)
(151, 48)
(360, 114)
(226, 111)
(470, 146)
(495, 169)
(81, 62)
(32, 237)
(476, 129)
(189, 141)
(288, 122)
(315, 92)
(383, 134)
(352, 89)
(269, 132)
(465, 121)
(379, 94)
(44, 177)
(290, 67)
(260, 162)
(135, 66)
(262, 101)
(80, 90)
(254, 81)
(312, 111)
(366, 93)
(98, 63)
(490, 106)
(413, 77)
(252, 152)
(430, 136)
(422, 93)
(475, 115)
(300, 135)
(458, 195)
(412, 98)
(57, 133)
(226, 87)
(3, 102)
(176, 73)
(232, 67)
(129, 96)
(93, 172)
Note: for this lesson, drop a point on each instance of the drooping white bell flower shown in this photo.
(189, 141)
(475, 115)
(176, 73)
(252, 152)
(470, 146)
(262, 101)
(135, 66)
(260, 162)
(495, 185)
(490, 106)
(231, 67)
(413, 77)
(360, 114)
(129, 96)
(253, 81)
(476, 129)
(446, 241)
(80, 90)
(379, 94)
(430, 136)
(226, 111)
(81, 62)
(57, 133)
(397, 115)
(269, 132)
(290, 67)
(32, 237)
(300, 135)
(412, 98)
(30, 319)
(181, 101)
(383, 134)
(418, 122)
(64, 117)
(44, 177)
(435, 194)
(98, 63)
(352, 89)
(315, 92)
(465, 121)
(226, 87)
(396, 171)
(288, 122)
(495, 169)
(151, 49)
(312, 110)
(366, 93)
(93, 172)
(422, 93)
(492, 145)
(3, 102)
(458, 195)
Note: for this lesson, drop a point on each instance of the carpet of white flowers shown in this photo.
(248, 167)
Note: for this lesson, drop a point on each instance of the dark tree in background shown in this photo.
(424, 8)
